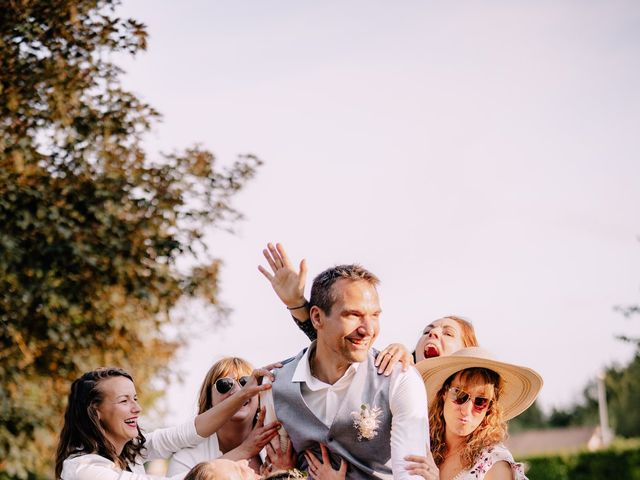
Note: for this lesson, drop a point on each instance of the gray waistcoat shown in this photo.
(367, 458)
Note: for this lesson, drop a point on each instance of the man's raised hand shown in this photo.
(285, 280)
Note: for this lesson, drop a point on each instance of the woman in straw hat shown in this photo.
(471, 396)
(441, 337)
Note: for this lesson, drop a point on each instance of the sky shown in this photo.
(480, 157)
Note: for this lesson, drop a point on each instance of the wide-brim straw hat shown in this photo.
(521, 384)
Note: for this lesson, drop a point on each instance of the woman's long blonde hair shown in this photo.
(222, 368)
(492, 429)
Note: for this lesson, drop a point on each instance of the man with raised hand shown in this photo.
(342, 417)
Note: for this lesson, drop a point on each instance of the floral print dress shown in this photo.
(487, 459)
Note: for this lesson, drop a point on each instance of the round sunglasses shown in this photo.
(460, 397)
(225, 384)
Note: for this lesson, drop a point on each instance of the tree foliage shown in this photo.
(582, 412)
(623, 397)
(92, 228)
(532, 418)
(622, 385)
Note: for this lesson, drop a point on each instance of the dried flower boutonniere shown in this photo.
(366, 421)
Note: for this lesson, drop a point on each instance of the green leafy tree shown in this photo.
(623, 386)
(623, 397)
(91, 227)
(583, 412)
(532, 418)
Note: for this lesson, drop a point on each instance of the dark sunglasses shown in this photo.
(223, 385)
(460, 397)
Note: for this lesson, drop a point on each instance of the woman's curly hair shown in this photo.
(82, 432)
(492, 429)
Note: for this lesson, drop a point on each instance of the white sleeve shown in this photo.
(187, 458)
(164, 442)
(96, 467)
(409, 422)
(281, 441)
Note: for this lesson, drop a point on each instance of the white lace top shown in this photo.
(487, 459)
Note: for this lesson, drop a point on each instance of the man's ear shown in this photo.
(317, 317)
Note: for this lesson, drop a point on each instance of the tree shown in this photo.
(623, 397)
(92, 228)
(583, 412)
(532, 418)
(622, 384)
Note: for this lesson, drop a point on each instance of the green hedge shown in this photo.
(614, 463)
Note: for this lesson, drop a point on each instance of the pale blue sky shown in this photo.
(480, 157)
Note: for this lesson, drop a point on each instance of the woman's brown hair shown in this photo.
(82, 432)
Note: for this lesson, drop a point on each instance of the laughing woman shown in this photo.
(444, 336)
(101, 438)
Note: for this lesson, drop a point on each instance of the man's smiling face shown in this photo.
(352, 325)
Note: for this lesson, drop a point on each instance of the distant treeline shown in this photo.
(623, 397)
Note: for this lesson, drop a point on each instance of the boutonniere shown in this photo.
(366, 421)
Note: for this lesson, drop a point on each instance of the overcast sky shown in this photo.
(480, 157)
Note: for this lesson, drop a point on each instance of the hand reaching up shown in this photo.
(285, 280)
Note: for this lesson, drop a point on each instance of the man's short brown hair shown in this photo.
(322, 295)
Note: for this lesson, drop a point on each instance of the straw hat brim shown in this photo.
(521, 384)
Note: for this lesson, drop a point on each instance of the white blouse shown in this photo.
(187, 458)
(160, 443)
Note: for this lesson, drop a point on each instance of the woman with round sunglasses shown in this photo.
(101, 438)
(440, 337)
(471, 396)
(244, 434)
